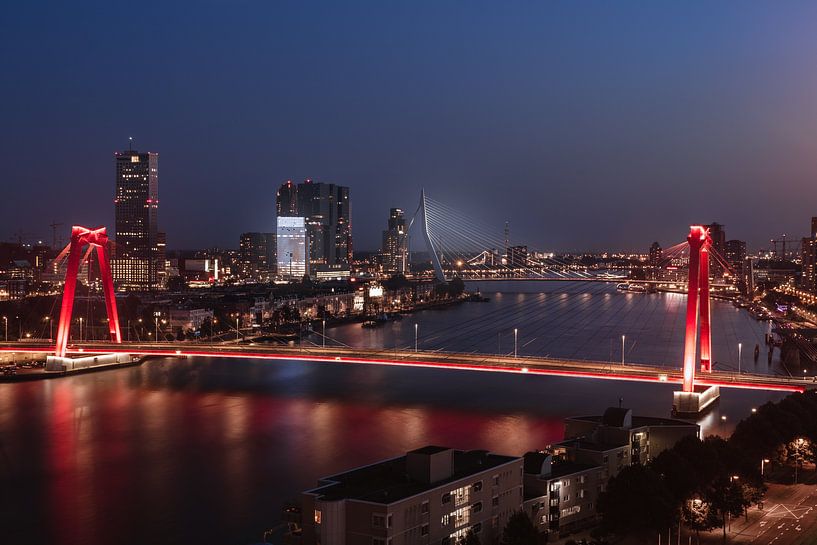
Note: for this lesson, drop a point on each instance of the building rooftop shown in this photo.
(638, 421)
(588, 444)
(389, 481)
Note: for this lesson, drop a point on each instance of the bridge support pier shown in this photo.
(692, 399)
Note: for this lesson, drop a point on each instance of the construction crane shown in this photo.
(782, 241)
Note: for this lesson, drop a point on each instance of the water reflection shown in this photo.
(206, 451)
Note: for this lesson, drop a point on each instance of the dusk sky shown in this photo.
(587, 125)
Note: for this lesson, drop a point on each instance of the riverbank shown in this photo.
(24, 373)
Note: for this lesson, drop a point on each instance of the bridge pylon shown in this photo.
(691, 399)
(98, 239)
(432, 250)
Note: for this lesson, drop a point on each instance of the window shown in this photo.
(476, 528)
(566, 498)
(495, 501)
(477, 507)
(317, 516)
(378, 541)
(447, 497)
(424, 507)
(496, 480)
(477, 486)
(378, 521)
(388, 521)
(424, 530)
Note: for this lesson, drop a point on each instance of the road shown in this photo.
(789, 517)
(440, 360)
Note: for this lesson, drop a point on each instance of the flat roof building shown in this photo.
(431, 495)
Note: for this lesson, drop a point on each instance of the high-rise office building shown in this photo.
(735, 254)
(292, 248)
(286, 203)
(718, 235)
(656, 254)
(808, 255)
(395, 243)
(257, 255)
(139, 260)
(326, 209)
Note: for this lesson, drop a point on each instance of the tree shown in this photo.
(519, 530)
(470, 538)
(727, 499)
(698, 515)
(637, 501)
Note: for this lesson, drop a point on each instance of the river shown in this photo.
(207, 451)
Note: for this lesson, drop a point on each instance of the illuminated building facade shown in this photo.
(656, 254)
(326, 209)
(808, 256)
(293, 248)
(257, 255)
(139, 254)
(395, 243)
(430, 495)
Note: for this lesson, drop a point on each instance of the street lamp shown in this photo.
(323, 324)
(80, 330)
(763, 463)
(416, 327)
(50, 327)
(740, 353)
(515, 335)
(6, 320)
(622, 349)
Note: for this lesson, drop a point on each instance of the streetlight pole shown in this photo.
(156, 319)
(237, 331)
(515, 334)
(740, 353)
(80, 330)
(6, 320)
(622, 349)
(416, 327)
(323, 323)
(763, 463)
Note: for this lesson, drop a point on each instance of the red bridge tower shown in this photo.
(95, 238)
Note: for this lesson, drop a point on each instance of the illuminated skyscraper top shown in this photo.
(137, 262)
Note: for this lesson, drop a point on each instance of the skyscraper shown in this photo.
(656, 254)
(286, 204)
(326, 209)
(257, 255)
(138, 262)
(808, 255)
(395, 238)
(293, 248)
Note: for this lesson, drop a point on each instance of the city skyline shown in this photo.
(571, 112)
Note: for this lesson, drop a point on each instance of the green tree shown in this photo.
(519, 530)
(727, 500)
(698, 515)
(470, 538)
(637, 501)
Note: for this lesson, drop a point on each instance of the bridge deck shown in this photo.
(438, 360)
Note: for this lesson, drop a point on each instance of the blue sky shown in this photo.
(587, 125)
